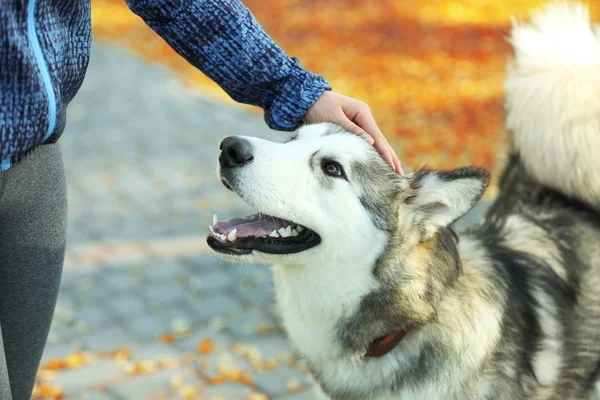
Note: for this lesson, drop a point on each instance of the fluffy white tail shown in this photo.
(552, 93)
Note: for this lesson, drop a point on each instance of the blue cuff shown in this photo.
(294, 97)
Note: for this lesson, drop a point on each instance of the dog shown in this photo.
(380, 295)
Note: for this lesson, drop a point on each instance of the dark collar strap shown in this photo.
(381, 347)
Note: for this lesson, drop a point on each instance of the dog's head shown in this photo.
(326, 196)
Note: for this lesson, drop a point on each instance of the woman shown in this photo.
(44, 52)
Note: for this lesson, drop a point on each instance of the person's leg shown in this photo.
(33, 215)
(4, 382)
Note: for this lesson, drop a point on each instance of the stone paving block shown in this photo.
(127, 305)
(227, 391)
(92, 395)
(254, 287)
(70, 278)
(165, 294)
(271, 347)
(62, 317)
(92, 375)
(61, 333)
(65, 300)
(221, 340)
(147, 327)
(151, 385)
(93, 316)
(216, 304)
(251, 323)
(210, 282)
(107, 339)
(178, 318)
(153, 350)
(204, 263)
(90, 290)
(223, 353)
(280, 380)
(161, 270)
(214, 365)
(304, 394)
(60, 350)
(122, 281)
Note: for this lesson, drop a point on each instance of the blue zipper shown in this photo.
(5, 164)
(39, 57)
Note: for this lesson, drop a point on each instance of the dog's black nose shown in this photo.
(235, 152)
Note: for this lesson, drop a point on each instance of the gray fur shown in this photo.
(572, 228)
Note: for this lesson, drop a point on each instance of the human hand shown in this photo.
(355, 116)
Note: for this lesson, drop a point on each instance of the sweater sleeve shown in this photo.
(223, 39)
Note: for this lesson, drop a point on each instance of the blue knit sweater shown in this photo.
(45, 47)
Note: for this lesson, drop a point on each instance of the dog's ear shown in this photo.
(441, 197)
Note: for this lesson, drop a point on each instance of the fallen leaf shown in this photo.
(176, 381)
(168, 338)
(47, 391)
(263, 330)
(293, 385)
(257, 396)
(55, 364)
(74, 360)
(206, 347)
(122, 353)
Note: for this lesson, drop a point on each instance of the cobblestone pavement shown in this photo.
(145, 310)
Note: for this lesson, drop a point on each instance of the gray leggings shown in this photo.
(33, 216)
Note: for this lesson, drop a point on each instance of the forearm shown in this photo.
(224, 40)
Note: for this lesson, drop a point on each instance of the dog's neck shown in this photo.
(311, 299)
(314, 299)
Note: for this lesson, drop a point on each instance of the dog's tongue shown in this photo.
(255, 225)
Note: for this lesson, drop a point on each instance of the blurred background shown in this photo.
(145, 310)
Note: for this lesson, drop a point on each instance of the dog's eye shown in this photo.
(332, 168)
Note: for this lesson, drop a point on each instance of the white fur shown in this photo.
(547, 361)
(553, 99)
(318, 287)
(451, 199)
(524, 236)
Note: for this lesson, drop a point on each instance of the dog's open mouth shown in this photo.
(238, 236)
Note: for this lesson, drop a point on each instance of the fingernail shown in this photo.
(370, 140)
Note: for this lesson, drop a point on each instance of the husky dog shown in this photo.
(379, 294)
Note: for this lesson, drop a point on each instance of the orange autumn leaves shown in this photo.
(431, 70)
(215, 365)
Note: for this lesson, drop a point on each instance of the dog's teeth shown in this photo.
(232, 235)
(299, 228)
(274, 234)
(286, 232)
(222, 237)
(282, 232)
(215, 219)
(294, 232)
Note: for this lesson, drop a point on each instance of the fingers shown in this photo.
(361, 116)
(398, 165)
(354, 116)
(386, 152)
(352, 127)
(379, 142)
